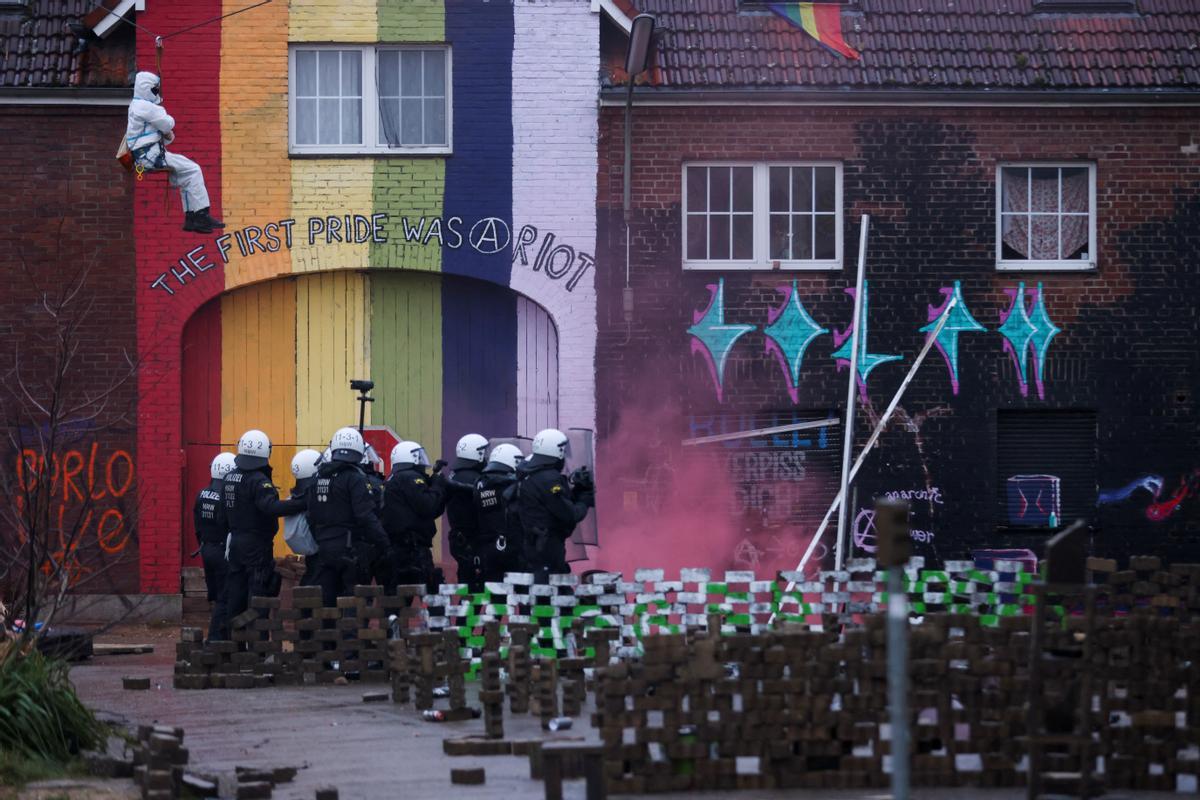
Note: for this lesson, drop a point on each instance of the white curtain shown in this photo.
(1042, 198)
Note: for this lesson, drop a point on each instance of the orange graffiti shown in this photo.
(86, 486)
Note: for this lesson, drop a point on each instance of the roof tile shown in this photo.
(946, 43)
(37, 49)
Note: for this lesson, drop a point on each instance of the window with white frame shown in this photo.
(1046, 216)
(762, 216)
(369, 99)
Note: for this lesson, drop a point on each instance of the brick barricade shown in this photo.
(607, 618)
(793, 691)
(798, 708)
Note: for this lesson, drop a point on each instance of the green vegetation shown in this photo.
(18, 770)
(41, 718)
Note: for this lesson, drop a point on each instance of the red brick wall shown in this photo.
(66, 215)
(191, 94)
(927, 178)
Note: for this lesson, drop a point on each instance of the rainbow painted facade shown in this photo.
(459, 279)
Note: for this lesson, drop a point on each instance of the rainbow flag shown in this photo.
(821, 21)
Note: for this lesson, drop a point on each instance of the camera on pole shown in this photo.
(362, 387)
(892, 533)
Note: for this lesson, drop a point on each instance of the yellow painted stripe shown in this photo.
(332, 21)
(258, 371)
(332, 347)
(330, 187)
(255, 175)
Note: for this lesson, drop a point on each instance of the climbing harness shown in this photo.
(153, 157)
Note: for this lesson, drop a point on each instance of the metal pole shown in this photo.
(858, 462)
(628, 195)
(729, 437)
(851, 400)
(897, 674)
(628, 147)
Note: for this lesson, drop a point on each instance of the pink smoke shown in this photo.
(663, 505)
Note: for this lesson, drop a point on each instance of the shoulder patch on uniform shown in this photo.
(556, 488)
(268, 485)
(419, 481)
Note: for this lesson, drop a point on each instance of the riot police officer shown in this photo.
(304, 470)
(252, 510)
(342, 514)
(374, 563)
(470, 456)
(549, 506)
(414, 499)
(500, 544)
(211, 533)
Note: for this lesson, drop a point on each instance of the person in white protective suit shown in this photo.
(149, 132)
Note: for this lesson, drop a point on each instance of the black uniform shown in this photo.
(373, 559)
(501, 541)
(252, 510)
(413, 502)
(464, 524)
(342, 516)
(211, 530)
(549, 509)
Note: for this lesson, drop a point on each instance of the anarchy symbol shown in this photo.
(864, 530)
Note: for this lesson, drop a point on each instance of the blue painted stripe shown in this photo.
(479, 360)
(479, 173)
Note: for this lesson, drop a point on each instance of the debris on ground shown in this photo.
(121, 649)
(467, 777)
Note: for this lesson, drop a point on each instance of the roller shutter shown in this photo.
(1046, 467)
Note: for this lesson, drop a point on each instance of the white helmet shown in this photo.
(304, 464)
(222, 464)
(370, 457)
(347, 445)
(253, 450)
(507, 454)
(407, 453)
(327, 456)
(472, 447)
(552, 443)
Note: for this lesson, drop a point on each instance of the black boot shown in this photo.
(194, 223)
(205, 218)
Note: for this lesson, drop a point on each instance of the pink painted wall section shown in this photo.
(554, 188)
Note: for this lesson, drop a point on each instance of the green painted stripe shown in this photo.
(410, 192)
(409, 189)
(406, 356)
(412, 20)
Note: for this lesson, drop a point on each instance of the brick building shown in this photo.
(404, 201)
(1038, 162)
(428, 193)
(66, 221)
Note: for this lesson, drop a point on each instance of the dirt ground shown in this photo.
(367, 750)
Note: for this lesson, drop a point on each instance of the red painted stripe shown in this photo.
(201, 411)
(191, 93)
(829, 29)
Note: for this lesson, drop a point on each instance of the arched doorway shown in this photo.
(448, 355)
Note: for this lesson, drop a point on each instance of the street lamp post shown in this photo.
(637, 59)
